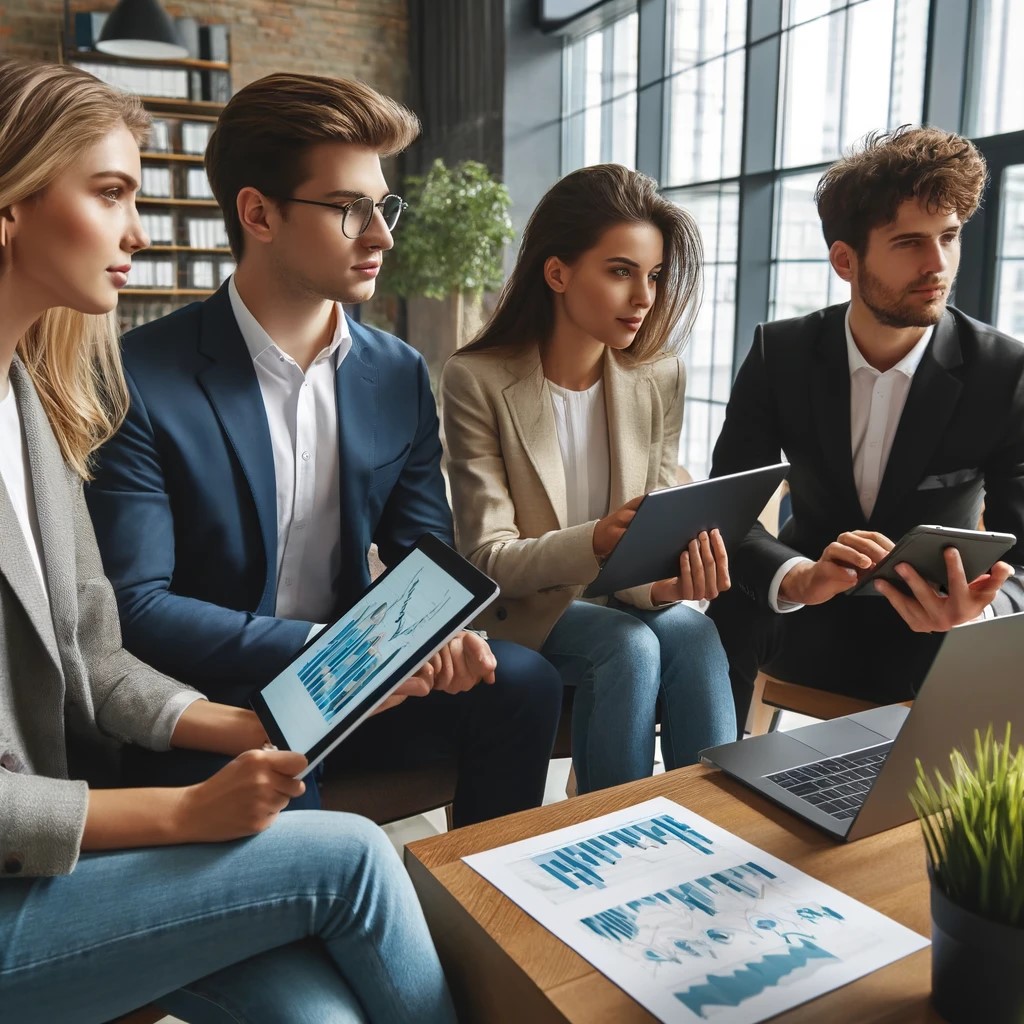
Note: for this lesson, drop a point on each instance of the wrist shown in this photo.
(793, 583)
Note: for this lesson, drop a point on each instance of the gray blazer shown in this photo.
(62, 668)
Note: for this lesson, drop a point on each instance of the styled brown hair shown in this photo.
(49, 116)
(264, 132)
(568, 221)
(865, 188)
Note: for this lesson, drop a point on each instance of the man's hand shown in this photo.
(418, 685)
(462, 663)
(850, 555)
(928, 610)
(703, 572)
(243, 798)
(608, 531)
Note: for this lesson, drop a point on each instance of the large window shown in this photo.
(599, 96)
(744, 157)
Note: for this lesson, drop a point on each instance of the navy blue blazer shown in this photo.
(184, 498)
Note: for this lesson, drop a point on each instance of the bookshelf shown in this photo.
(189, 255)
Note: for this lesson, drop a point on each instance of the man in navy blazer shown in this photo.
(893, 411)
(271, 440)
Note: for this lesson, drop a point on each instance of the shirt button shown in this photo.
(305, 456)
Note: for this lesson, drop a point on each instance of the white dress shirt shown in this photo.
(302, 413)
(17, 478)
(877, 400)
(581, 423)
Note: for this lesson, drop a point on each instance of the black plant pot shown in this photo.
(977, 966)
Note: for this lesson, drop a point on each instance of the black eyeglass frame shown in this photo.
(344, 208)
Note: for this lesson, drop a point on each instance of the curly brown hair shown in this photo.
(865, 188)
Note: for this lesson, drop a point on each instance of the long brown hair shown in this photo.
(49, 116)
(570, 220)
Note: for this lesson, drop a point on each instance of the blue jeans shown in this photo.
(312, 920)
(622, 660)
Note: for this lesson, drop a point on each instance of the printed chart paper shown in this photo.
(691, 921)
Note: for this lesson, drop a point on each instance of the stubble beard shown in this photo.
(890, 307)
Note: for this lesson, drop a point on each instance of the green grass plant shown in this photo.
(973, 827)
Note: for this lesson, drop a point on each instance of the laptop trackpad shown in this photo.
(840, 736)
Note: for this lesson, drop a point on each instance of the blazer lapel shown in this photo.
(234, 392)
(529, 405)
(47, 472)
(358, 411)
(628, 402)
(933, 395)
(830, 400)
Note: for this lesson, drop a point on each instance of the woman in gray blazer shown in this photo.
(561, 415)
(112, 898)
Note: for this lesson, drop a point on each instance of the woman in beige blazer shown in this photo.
(201, 897)
(558, 418)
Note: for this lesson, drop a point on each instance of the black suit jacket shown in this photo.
(960, 441)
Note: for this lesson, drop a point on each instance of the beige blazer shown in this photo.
(62, 668)
(508, 482)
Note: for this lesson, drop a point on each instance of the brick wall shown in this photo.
(365, 39)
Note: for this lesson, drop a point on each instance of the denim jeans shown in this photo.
(622, 661)
(312, 920)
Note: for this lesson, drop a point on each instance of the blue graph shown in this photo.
(752, 978)
(620, 923)
(586, 864)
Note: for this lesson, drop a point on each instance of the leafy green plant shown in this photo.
(974, 828)
(451, 238)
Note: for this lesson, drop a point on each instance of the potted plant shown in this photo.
(449, 251)
(973, 827)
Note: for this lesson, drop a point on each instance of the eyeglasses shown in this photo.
(356, 216)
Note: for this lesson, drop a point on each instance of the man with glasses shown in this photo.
(271, 440)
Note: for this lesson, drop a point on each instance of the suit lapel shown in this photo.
(830, 399)
(933, 395)
(628, 401)
(529, 405)
(358, 411)
(231, 385)
(48, 472)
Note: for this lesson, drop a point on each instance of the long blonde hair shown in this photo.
(49, 116)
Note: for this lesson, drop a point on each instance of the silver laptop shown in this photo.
(851, 776)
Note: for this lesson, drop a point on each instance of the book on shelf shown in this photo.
(213, 43)
(88, 26)
(162, 83)
(195, 135)
(156, 181)
(159, 136)
(197, 185)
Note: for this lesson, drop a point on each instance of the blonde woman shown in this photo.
(558, 418)
(202, 897)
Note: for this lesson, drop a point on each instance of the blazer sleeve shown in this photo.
(417, 502)
(750, 438)
(1004, 500)
(228, 651)
(41, 824)
(673, 391)
(485, 514)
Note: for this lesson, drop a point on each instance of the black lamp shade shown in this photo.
(141, 28)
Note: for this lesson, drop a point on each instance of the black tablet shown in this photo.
(923, 547)
(668, 519)
(350, 667)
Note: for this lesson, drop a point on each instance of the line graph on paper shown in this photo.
(613, 856)
(720, 939)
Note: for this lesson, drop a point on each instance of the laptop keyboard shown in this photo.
(835, 785)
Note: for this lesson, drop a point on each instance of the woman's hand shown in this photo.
(608, 531)
(703, 572)
(243, 798)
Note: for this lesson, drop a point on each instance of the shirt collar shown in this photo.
(907, 365)
(257, 341)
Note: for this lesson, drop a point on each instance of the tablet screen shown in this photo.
(378, 643)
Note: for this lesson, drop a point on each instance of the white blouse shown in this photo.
(581, 422)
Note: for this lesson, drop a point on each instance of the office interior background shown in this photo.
(735, 106)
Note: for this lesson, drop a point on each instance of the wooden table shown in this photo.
(503, 966)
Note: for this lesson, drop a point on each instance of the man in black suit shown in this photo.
(893, 410)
